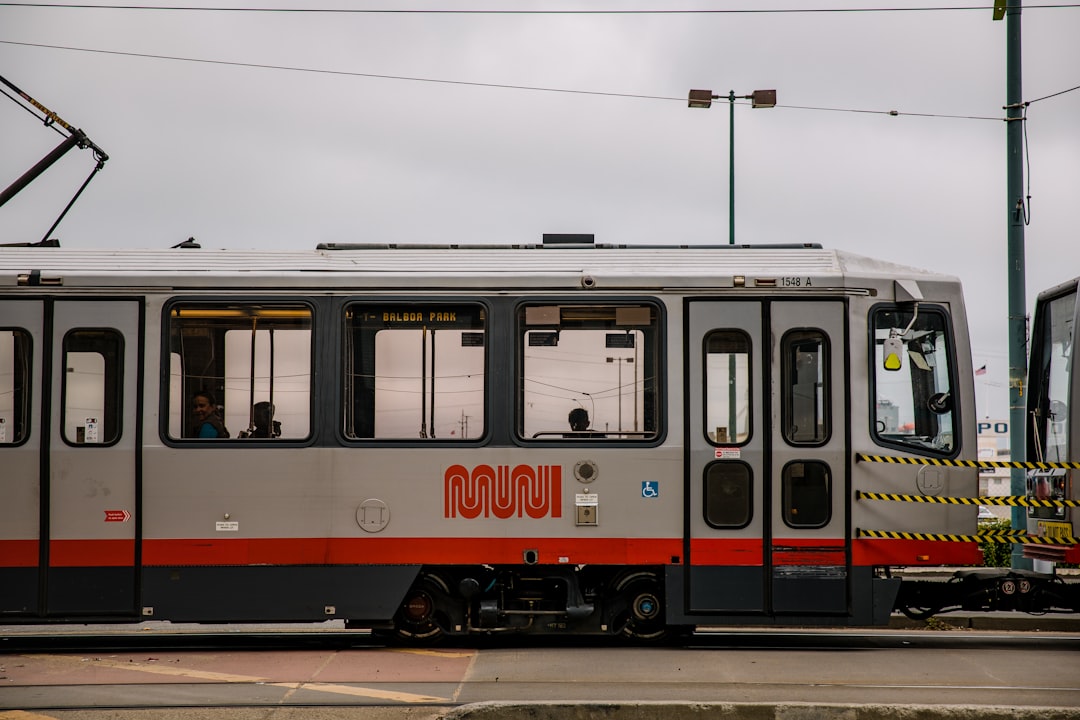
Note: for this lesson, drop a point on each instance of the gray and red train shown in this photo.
(562, 438)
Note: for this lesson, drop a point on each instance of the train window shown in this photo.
(913, 403)
(14, 385)
(804, 378)
(806, 494)
(727, 494)
(727, 387)
(415, 371)
(588, 372)
(1050, 379)
(92, 386)
(246, 365)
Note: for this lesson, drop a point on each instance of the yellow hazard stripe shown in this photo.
(1000, 533)
(984, 464)
(1010, 500)
(942, 537)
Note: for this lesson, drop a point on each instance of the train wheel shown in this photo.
(418, 617)
(641, 615)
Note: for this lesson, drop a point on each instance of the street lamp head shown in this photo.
(763, 99)
(700, 99)
(758, 99)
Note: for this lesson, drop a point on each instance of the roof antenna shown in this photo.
(188, 244)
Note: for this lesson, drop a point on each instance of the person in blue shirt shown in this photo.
(208, 423)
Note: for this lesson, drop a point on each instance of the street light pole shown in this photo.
(758, 99)
(731, 168)
(619, 361)
(1017, 212)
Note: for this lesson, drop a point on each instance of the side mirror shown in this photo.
(939, 403)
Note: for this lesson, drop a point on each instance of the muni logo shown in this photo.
(502, 491)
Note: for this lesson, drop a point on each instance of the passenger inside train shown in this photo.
(208, 423)
(263, 424)
(579, 423)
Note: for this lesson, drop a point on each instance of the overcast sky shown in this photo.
(435, 152)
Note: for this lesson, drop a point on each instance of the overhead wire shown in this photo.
(349, 73)
(1047, 97)
(503, 11)
(467, 83)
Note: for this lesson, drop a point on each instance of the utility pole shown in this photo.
(1017, 212)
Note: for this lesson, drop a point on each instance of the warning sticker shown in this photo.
(728, 453)
(1055, 529)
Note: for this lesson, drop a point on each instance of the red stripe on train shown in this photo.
(867, 551)
(69, 553)
(790, 552)
(381, 551)
(434, 551)
(19, 553)
(348, 551)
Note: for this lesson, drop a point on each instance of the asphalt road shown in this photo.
(336, 679)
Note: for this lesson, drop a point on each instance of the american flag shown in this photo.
(981, 371)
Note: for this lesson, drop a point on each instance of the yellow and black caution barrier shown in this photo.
(1010, 500)
(982, 464)
(1018, 538)
(995, 532)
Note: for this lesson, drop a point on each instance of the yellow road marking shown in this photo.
(361, 692)
(433, 653)
(158, 669)
(231, 678)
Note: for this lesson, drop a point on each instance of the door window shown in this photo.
(14, 385)
(728, 494)
(805, 387)
(806, 494)
(92, 389)
(727, 387)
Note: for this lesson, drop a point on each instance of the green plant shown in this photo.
(933, 623)
(995, 553)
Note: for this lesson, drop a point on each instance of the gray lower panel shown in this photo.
(872, 600)
(727, 589)
(18, 591)
(275, 593)
(71, 592)
(90, 591)
(810, 589)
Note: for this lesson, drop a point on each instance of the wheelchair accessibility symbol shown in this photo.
(650, 489)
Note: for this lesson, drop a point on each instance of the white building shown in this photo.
(994, 445)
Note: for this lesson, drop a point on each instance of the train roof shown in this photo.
(453, 266)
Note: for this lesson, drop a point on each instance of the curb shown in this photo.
(1001, 622)
(747, 711)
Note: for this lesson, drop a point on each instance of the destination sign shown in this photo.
(431, 316)
(403, 315)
